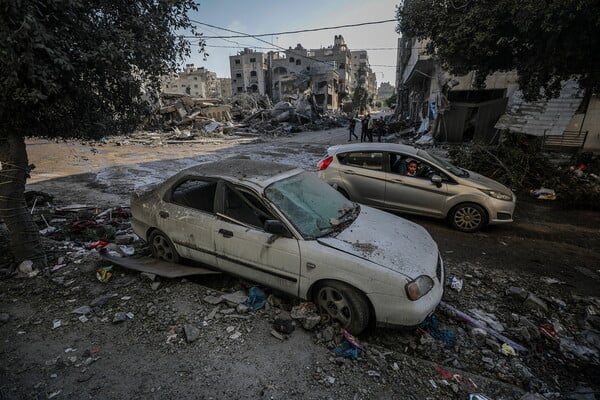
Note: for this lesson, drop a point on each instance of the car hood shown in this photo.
(482, 182)
(390, 241)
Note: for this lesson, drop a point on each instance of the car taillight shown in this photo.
(324, 163)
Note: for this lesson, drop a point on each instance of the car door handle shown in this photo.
(163, 214)
(348, 171)
(398, 180)
(226, 233)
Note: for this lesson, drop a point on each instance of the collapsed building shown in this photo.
(326, 73)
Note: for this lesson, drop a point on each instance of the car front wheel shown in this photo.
(468, 217)
(344, 304)
(162, 247)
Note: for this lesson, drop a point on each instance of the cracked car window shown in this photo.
(311, 205)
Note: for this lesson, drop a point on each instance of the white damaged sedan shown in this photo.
(284, 228)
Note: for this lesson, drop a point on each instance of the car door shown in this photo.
(363, 176)
(243, 248)
(415, 194)
(186, 215)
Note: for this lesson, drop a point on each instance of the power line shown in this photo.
(241, 46)
(261, 40)
(288, 32)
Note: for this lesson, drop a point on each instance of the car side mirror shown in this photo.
(276, 227)
(436, 180)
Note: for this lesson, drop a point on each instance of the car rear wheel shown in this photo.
(468, 217)
(344, 304)
(162, 247)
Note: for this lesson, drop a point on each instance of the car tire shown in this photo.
(162, 247)
(468, 217)
(344, 304)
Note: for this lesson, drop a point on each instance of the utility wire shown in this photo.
(261, 40)
(240, 35)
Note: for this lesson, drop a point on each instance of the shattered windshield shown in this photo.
(311, 205)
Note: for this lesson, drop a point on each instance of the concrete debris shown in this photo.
(191, 333)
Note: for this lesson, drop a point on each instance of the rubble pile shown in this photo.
(510, 335)
(187, 118)
(519, 163)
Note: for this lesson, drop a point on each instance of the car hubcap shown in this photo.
(333, 303)
(468, 218)
(162, 248)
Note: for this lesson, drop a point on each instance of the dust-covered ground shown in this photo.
(535, 281)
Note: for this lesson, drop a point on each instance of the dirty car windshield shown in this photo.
(442, 163)
(311, 205)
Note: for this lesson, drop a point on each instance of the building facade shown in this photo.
(248, 72)
(197, 82)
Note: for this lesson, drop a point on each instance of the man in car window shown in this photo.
(411, 169)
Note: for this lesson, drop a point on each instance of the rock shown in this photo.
(148, 275)
(4, 318)
(236, 335)
(241, 308)
(328, 334)
(227, 311)
(493, 344)
(235, 298)
(212, 300)
(517, 292)
(119, 317)
(191, 333)
(534, 302)
(82, 310)
(277, 335)
(155, 285)
(311, 321)
(100, 301)
(330, 380)
(306, 314)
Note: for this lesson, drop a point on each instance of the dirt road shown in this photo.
(549, 252)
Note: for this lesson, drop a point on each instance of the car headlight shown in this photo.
(419, 287)
(498, 195)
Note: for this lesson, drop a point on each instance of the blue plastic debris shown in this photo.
(432, 325)
(346, 350)
(256, 299)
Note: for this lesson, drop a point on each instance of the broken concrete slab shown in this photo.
(156, 266)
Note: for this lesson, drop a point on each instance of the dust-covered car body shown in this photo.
(376, 174)
(285, 228)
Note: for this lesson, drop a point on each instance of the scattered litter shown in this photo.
(57, 323)
(507, 350)
(544, 194)
(104, 274)
(456, 283)
(256, 299)
(431, 326)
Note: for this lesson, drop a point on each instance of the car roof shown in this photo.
(260, 173)
(342, 148)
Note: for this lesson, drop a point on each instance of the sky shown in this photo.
(267, 16)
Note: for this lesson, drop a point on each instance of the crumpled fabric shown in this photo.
(432, 326)
(256, 299)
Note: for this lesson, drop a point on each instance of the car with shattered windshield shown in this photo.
(404, 179)
(283, 227)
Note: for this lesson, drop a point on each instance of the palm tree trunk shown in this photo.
(25, 241)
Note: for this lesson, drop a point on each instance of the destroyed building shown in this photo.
(326, 73)
(360, 59)
(454, 110)
(248, 72)
(197, 82)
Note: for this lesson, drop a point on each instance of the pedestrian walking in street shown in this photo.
(368, 125)
(363, 129)
(351, 128)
